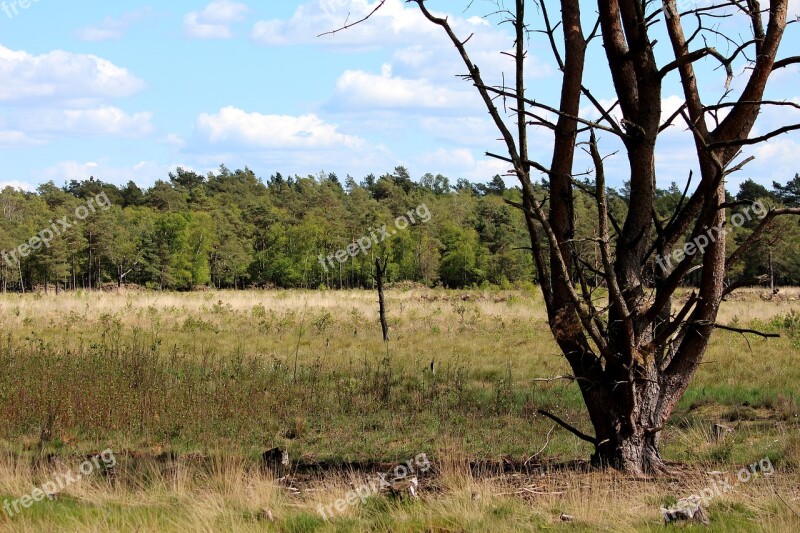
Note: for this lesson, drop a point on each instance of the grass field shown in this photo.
(188, 391)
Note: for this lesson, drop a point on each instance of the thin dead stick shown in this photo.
(778, 494)
(299, 339)
(351, 24)
(546, 443)
(557, 378)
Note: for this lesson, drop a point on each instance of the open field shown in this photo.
(189, 390)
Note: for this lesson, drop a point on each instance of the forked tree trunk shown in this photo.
(627, 436)
(634, 358)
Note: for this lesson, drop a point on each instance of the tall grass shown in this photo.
(224, 376)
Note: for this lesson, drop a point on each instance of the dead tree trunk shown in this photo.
(771, 274)
(634, 358)
(380, 271)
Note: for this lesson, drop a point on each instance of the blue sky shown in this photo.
(129, 90)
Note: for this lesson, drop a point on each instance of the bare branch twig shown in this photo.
(351, 24)
(578, 433)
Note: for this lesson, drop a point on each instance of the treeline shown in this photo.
(232, 230)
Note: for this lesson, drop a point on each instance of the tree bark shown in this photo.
(633, 359)
(380, 270)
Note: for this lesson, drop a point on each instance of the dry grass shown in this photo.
(165, 379)
(233, 496)
(748, 305)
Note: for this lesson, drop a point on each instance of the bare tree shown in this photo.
(633, 355)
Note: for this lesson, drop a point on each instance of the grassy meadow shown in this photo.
(189, 390)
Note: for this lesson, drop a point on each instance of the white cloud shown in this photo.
(397, 24)
(359, 90)
(463, 163)
(291, 144)
(464, 131)
(422, 69)
(392, 23)
(415, 56)
(478, 21)
(174, 139)
(60, 75)
(214, 22)
(106, 120)
(112, 28)
(235, 127)
(669, 106)
(17, 139)
(778, 159)
(105, 32)
(61, 94)
(14, 184)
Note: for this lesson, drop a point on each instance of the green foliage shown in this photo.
(231, 230)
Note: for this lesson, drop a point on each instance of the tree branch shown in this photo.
(786, 62)
(756, 235)
(578, 433)
(614, 291)
(748, 282)
(754, 140)
(696, 55)
(744, 330)
(351, 24)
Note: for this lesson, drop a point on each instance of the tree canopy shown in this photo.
(232, 230)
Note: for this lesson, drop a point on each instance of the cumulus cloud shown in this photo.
(60, 75)
(291, 144)
(360, 90)
(214, 22)
(234, 127)
(26, 128)
(420, 76)
(62, 94)
(397, 24)
(392, 23)
(112, 28)
(107, 120)
(778, 159)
